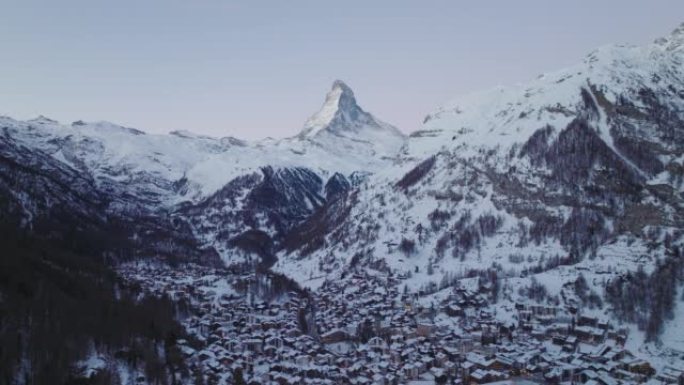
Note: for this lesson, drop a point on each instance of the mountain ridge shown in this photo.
(577, 172)
(107, 150)
(581, 169)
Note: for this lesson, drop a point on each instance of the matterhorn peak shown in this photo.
(341, 119)
(342, 95)
(340, 114)
(340, 104)
(342, 87)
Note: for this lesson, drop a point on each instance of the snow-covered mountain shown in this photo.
(220, 187)
(612, 123)
(580, 171)
(340, 138)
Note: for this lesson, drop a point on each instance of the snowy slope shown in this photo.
(224, 191)
(581, 167)
(505, 116)
(351, 140)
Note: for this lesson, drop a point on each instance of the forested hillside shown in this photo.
(61, 304)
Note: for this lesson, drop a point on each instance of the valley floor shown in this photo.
(363, 330)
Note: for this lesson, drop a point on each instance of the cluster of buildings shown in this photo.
(363, 330)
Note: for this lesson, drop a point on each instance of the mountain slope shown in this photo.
(577, 171)
(168, 169)
(214, 188)
(612, 123)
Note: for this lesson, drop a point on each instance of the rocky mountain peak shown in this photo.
(342, 127)
(342, 95)
(339, 108)
(341, 115)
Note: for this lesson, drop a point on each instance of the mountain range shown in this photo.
(577, 172)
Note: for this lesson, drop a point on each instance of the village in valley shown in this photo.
(364, 330)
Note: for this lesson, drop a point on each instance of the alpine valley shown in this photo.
(532, 233)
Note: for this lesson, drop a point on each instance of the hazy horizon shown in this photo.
(262, 68)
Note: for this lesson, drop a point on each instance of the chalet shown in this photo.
(253, 345)
(451, 368)
(378, 344)
(589, 334)
(502, 364)
(587, 321)
(204, 328)
(484, 376)
(671, 375)
(303, 360)
(479, 361)
(425, 329)
(440, 359)
(439, 374)
(410, 371)
(391, 379)
(275, 342)
(626, 376)
(638, 366)
(334, 336)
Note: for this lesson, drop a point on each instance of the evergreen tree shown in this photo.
(238, 378)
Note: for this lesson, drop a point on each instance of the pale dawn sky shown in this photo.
(253, 69)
